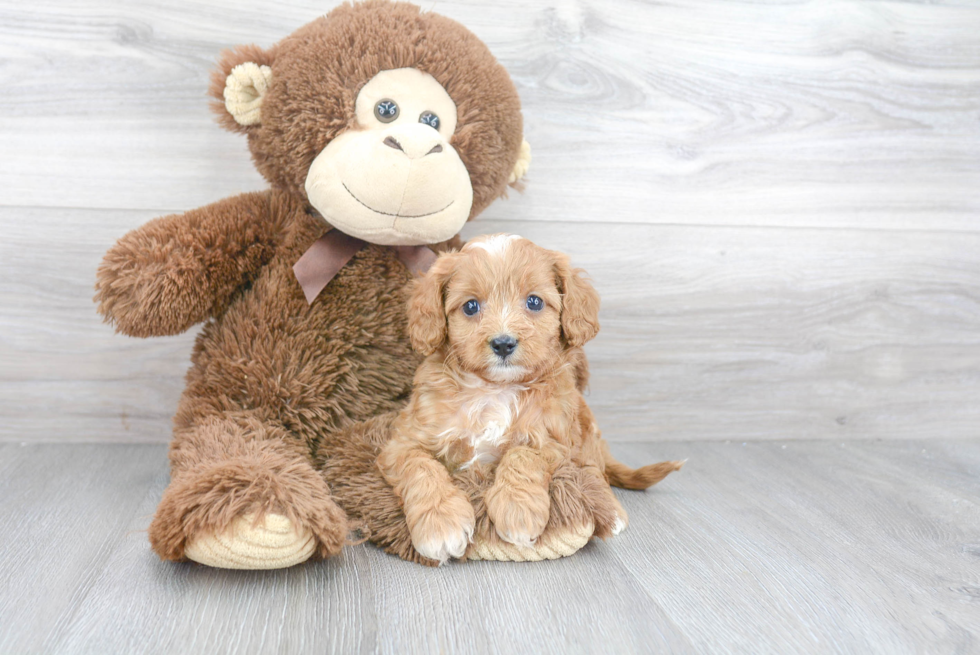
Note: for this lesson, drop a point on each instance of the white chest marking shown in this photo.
(486, 445)
(489, 415)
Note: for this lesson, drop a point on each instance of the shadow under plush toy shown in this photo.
(380, 129)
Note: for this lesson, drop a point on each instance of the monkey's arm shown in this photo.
(178, 270)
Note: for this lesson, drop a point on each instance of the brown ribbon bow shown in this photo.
(323, 260)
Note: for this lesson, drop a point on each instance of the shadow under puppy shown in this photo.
(502, 324)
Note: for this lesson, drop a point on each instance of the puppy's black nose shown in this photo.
(503, 345)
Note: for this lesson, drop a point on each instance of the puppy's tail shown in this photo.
(623, 476)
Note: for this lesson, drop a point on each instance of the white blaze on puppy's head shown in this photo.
(495, 244)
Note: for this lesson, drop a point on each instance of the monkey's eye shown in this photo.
(429, 119)
(471, 307)
(535, 304)
(386, 111)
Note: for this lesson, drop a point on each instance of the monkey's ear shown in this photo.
(239, 84)
(427, 306)
(523, 163)
(579, 303)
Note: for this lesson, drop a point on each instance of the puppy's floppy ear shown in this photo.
(579, 303)
(427, 308)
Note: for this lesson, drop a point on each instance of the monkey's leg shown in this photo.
(243, 494)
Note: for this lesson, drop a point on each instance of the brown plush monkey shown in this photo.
(379, 128)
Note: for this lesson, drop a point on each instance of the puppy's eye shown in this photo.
(535, 304)
(430, 119)
(386, 111)
(471, 307)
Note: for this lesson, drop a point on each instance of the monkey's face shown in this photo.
(395, 179)
(397, 125)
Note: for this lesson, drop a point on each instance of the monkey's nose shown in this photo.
(503, 345)
(414, 141)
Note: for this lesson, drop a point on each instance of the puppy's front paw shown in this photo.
(445, 529)
(519, 514)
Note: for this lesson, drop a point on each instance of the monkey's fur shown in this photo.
(269, 419)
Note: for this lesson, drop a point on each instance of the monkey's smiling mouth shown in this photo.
(376, 211)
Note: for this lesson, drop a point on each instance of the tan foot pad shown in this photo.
(273, 544)
(556, 545)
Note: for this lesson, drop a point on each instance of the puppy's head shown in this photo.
(502, 307)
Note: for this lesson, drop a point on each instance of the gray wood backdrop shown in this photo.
(778, 201)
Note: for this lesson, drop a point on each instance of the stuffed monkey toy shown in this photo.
(381, 129)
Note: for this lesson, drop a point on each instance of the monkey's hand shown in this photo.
(178, 270)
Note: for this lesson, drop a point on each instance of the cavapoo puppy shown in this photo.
(502, 323)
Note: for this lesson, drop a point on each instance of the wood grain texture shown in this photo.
(707, 333)
(842, 113)
(806, 546)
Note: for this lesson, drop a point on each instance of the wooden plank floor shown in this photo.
(770, 547)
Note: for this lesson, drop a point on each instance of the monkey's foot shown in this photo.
(551, 545)
(270, 543)
(257, 509)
